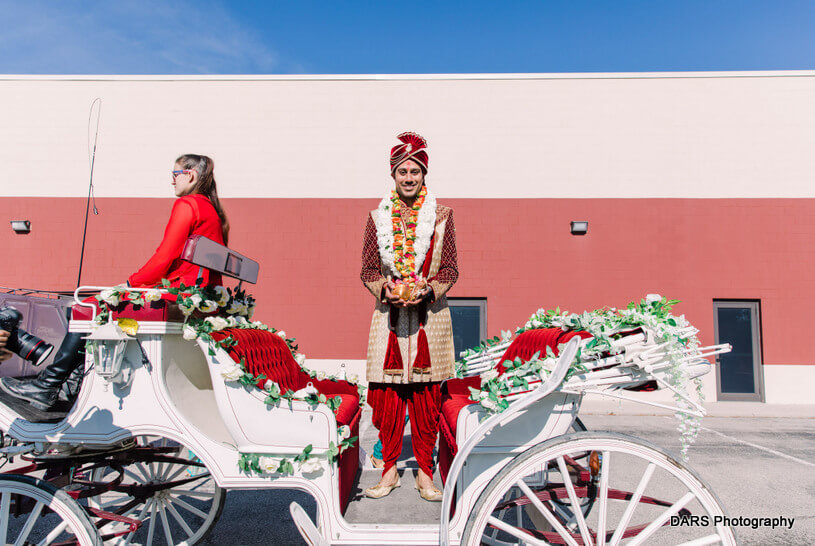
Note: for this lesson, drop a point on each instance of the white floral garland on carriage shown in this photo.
(605, 326)
(235, 310)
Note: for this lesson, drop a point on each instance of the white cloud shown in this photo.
(128, 37)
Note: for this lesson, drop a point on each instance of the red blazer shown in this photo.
(191, 215)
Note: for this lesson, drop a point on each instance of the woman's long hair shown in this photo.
(205, 167)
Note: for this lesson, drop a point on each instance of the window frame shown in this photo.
(758, 358)
(481, 303)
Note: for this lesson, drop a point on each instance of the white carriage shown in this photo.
(148, 450)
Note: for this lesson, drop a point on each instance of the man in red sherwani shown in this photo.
(408, 264)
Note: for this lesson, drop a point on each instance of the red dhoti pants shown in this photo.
(423, 403)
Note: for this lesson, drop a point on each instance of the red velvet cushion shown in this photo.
(450, 408)
(266, 353)
(348, 408)
(529, 343)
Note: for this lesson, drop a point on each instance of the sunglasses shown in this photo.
(176, 173)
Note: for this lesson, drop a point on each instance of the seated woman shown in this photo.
(197, 211)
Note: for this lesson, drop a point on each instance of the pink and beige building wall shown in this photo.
(696, 186)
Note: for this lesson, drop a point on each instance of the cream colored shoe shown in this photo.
(379, 491)
(431, 493)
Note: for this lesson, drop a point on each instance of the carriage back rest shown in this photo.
(266, 353)
(536, 341)
(207, 253)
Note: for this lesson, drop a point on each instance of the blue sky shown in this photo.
(355, 37)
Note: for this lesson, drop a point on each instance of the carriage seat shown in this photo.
(266, 353)
(456, 392)
(163, 310)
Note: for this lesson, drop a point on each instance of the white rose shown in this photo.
(152, 295)
(217, 323)
(310, 465)
(269, 464)
(300, 358)
(231, 373)
(489, 403)
(195, 300)
(223, 296)
(208, 306)
(281, 333)
(240, 321)
(344, 432)
(320, 376)
(353, 379)
(651, 298)
(110, 297)
(189, 332)
(187, 311)
(488, 376)
(257, 324)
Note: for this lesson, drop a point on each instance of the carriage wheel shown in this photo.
(631, 491)
(33, 511)
(183, 514)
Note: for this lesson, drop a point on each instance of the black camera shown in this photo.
(20, 342)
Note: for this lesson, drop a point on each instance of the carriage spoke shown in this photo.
(193, 493)
(179, 519)
(660, 521)
(140, 517)
(520, 535)
(536, 502)
(632, 504)
(5, 503)
(704, 541)
(29, 525)
(165, 524)
(152, 529)
(189, 508)
(605, 470)
(176, 473)
(146, 472)
(578, 512)
(52, 536)
(133, 476)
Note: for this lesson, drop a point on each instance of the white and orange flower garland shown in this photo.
(403, 251)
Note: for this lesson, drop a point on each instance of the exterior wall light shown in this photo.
(579, 228)
(21, 226)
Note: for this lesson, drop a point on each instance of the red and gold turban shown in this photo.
(413, 147)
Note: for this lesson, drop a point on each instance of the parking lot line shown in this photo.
(762, 448)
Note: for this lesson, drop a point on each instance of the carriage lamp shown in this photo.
(579, 228)
(108, 344)
(21, 226)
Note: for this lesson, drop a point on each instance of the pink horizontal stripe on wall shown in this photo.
(517, 253)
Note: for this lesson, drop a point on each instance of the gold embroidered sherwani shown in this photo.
(441, 276)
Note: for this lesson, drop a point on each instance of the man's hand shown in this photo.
(390, 297)
(5, 354)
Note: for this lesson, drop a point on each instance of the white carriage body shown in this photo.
(176, 390)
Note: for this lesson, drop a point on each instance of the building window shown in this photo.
(469, 317)
(739, 373)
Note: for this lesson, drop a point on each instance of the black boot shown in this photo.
(70, 389)
(43, 391)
